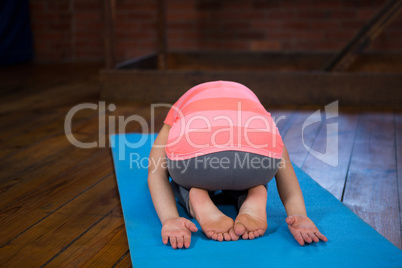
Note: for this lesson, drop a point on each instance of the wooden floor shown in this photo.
(60, 205)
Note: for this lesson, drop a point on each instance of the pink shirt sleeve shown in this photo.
(170, 117)
(172, 114)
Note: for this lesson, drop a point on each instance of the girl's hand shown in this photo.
(178, 232)
(304, 230)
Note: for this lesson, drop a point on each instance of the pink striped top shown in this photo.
(220, 116)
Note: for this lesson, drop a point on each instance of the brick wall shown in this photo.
(66, 30)
(71, 30)
(51, 27)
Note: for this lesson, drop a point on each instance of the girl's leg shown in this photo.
(214, 223)
(251, 222)
(238, 197)
(226, 170)
(242, 173)
(183, 196)
(199, 205)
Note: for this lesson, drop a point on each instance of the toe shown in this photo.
(233, 235)
(245, 235)
(251, 235)
(214, 236)
(256, 234)
(261, 232)
(209, 234)
(239, 229)
(226, 236)
(220, 237)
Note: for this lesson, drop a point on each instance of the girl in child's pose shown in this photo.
(218, 136)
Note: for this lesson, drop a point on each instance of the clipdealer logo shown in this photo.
(119, 123)
(330, 156)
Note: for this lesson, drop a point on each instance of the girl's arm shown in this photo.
(174, 229)
(301, 227)
(158, 179)
(288, 187)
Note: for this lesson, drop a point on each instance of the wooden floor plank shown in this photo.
(62, 227)
(283, 119)
(371, 188)
(36, 77)
(293, 138)
(18, 183)
(66, 94)
(56, 209)
(59, 190)
(39, 79)
(24, 183)
(20, 121)
(124, 262)
(23, 159)
(330, 177)
(102, 246)
(35, 153)
(45, 200)
(39, 131)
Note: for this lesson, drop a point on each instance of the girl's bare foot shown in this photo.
(214, 223)
(252, 219)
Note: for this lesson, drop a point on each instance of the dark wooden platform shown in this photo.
(278, 79)
(60, 204)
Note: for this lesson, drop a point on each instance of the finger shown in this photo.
(191, 226)
(233, 235)
(180, 242)
(165, 239)
(306, 238)
(290, 220)
(313, 237)
(187, 241)
(321, 236)
(173, 242)
(298, 238)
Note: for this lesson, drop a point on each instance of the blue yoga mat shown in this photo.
(352, 242)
